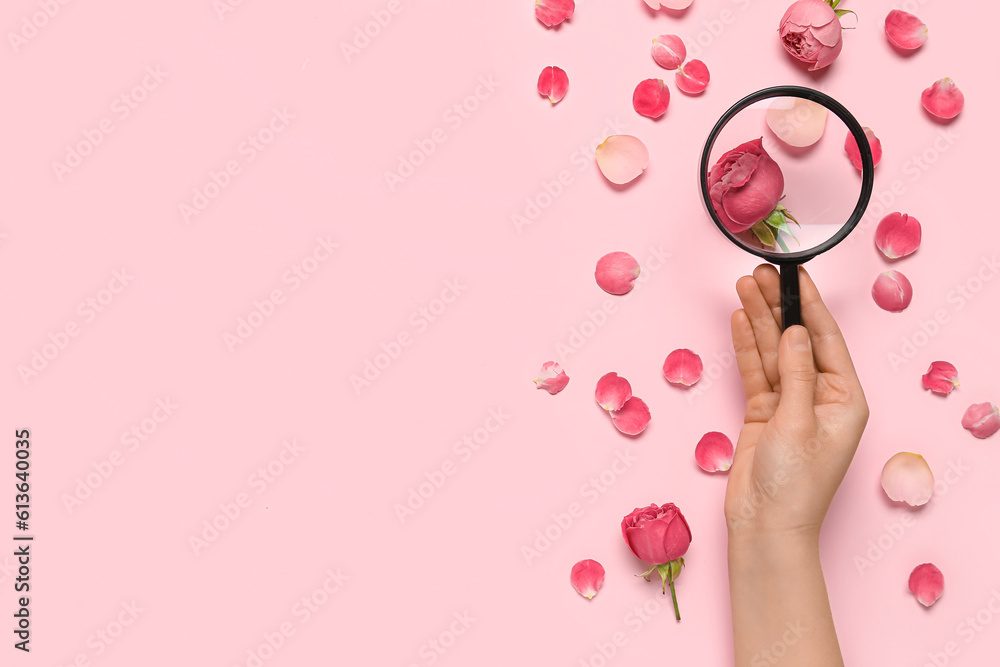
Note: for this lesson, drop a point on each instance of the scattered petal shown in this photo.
(612, 391)
(675, 5)
(554, 12)
(587, 577)
(633, 417)
(797, 121)
(651, 98)
(907, 478)
(982, 419)
(616, 272)
(905, 30)
(714, 452)
(553, 83)
(692, 78)
(552, 378)
(854, 153)
(926, 583)
(621, 158)
(897, 235)
(940, 378)
(682, 367)
(669, 51)
(943, 99)
(892, 291)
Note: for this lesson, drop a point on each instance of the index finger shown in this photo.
(829, 347)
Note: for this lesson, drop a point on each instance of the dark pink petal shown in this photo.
(892, 291)
(897, 235)
(668, 51)
(587, 577)
(692, 78)
(854, 153)
(675, 5)
(926, 583)
(621, 158)
(905, 30)
(651, 98)
(554, 12)
(553, 83)
(612, 391)
(714, 452)
(907, 478)
(940, 378)
(616, 272)
(943, 99)
(682, 367)
(633, 417)
(982, 419)
(552, 378)
(796, 121)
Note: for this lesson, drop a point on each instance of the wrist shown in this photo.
(773, 548)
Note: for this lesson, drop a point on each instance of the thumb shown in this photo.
(797, 373)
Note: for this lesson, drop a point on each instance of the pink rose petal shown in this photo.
(905, 30)
(675, 5)
(616, 272)
(612, 391)
(668, 51)
(554, 12)
(941, 378)
(587, 577)
(926, 583)
(907, 478)
(633, 417)
(552, 378)
(621, 158)
(651, 98)
(982, 419)
(897, 235)
(854, 153)
(796, 121)
(553, 83)
(692, 77)
(892, 291)
(714, 452)
(682, 367)
(943, 99)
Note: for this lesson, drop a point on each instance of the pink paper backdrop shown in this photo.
(242, 178)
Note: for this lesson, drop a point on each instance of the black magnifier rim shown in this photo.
(867, 169)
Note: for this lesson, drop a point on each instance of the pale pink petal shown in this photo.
(587, 577)
(907, 478)
(897, 235)
(668, 51)
(892, 291)
(682, 367)
(943, 99)
(854, 153)
(553, 83)
(926, 583)
(905, 30)
(633, 417)
(554, 12)
(612, 391)
(940, 378)
(651, 98)
(621, 158)
(552, 378)
(714, 452)
(982, 419)
(616, 272)
(796, 121)
(692, 77)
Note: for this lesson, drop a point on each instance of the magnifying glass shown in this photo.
(776, 179)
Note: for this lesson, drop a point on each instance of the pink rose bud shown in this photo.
(810, 31)
(612, 391)
(692, 78)
(854, 153)
(651, 98)
(897, 235)
(907, 478)
(552, 378)
(633, 417)
(745, 186)
(554, 12)
(616, 272)
(682, 367)
(553, 83)
(657, 535)
(940, 378)
(892, 291)
(668, 51)
(714, 452)
(943, 99)
(982, 419)
(926, 583)
(587, 577)
(621, 158)
(905, 30)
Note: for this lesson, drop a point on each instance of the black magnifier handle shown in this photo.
(791, 311)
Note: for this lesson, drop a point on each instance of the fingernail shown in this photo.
(799, 339)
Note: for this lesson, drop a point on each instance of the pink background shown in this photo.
(521, 295)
